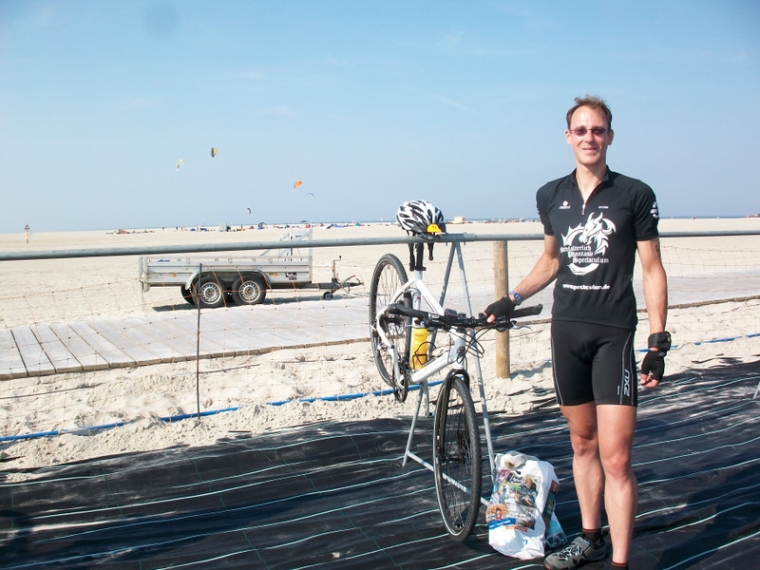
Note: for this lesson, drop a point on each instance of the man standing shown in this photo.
(595, 221)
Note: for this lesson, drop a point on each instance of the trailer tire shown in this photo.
(249, 290)
(187, 294)
(208, 292)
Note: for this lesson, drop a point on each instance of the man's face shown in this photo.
(590, 149)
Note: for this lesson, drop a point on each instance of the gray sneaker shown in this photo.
(575, 554)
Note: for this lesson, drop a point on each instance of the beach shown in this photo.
(715, 321)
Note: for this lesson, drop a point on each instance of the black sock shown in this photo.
(593, 536)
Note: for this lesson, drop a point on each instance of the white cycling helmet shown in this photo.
(421, 218)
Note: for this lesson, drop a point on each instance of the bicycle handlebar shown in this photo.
(452, 319)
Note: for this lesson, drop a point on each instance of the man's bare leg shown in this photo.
(587, 466)
(621, 488)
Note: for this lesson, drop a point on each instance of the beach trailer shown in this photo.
(214, 282)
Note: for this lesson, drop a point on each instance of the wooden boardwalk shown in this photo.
(170, 336)
(56, 348)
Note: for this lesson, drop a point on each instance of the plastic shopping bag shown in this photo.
(520, 515)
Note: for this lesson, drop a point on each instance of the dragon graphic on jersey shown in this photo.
(592, 243)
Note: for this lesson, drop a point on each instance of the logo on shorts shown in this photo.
(587, 243)
(627, 383)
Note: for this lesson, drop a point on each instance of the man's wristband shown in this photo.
(660, 341)
(516, 297)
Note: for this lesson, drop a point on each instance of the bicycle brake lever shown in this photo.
(503, 324)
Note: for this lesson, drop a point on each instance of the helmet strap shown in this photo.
(416, 256)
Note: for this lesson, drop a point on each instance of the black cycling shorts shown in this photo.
(593, 363)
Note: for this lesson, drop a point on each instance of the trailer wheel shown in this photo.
(187, 294)
(327, 295)
(209, 293)
(249, 290)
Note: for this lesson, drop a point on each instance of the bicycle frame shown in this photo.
(419, 291)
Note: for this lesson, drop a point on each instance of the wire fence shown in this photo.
(83, 346)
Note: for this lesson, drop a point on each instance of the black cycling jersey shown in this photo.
(597, 246)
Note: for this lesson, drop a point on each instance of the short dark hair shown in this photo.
(594, 102)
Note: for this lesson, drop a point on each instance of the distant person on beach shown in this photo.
(595, 221)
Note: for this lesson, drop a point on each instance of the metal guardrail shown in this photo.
(263, 245)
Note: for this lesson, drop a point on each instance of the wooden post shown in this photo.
(501, 288)
(198, 343)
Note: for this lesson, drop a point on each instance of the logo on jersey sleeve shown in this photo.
(654, 211)
(586, 244)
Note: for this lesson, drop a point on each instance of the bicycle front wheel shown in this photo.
(456, 456)
(389, 276)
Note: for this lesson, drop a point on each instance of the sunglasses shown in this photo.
(596, 131)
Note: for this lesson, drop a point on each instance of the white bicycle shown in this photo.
(403, 339)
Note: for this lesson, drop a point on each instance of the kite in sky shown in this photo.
(213, 152)
(310, 194)
(180, 162)
(249, 211)
(297, 184)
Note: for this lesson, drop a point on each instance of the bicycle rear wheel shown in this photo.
(389, 276)
(456, 456)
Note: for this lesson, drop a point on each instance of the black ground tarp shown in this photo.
(334, 495)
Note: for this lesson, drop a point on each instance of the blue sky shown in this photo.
(369, 103)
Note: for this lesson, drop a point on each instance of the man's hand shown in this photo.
(501, 308)
(653, 365)
(652, 368)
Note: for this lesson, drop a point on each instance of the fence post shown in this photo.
(198, 344)
(501, 288)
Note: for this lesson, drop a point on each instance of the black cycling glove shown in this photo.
(654, 360)
(653, 364)
(501, 308)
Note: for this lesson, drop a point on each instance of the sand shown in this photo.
(283, 388)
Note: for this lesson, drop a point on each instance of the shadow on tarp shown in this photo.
(334, 495)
